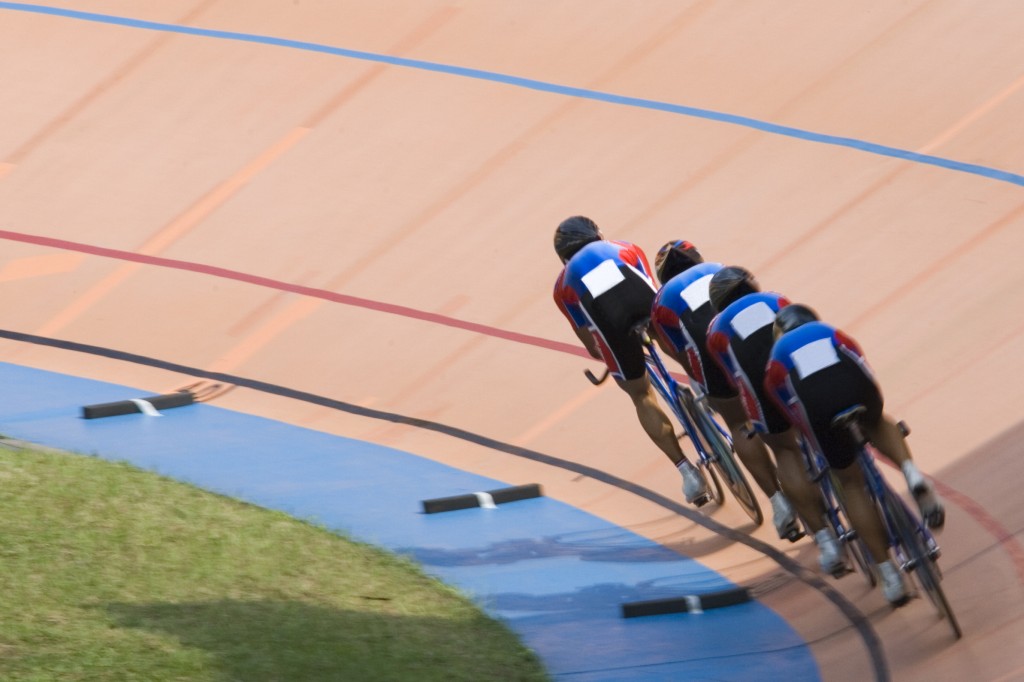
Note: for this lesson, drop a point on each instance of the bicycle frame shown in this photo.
(880, 491)
(669, 389)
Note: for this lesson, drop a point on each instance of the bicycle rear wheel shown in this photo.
(921, 563)
(723, 459)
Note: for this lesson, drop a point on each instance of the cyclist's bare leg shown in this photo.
(794, 479)
(752, 451)
(655, 422)
(659, 428)
(863, 513)
(806, 497)
(888, 438)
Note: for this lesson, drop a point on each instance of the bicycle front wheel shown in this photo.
(921, 563)
(724, 461)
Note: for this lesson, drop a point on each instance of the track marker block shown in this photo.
(690, 603)
(150, 405)
(486, 500)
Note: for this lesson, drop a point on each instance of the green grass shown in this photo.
(108, 572)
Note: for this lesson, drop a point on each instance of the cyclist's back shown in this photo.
(612, 280)
(607, 286)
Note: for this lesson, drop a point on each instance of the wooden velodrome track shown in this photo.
(356, 199)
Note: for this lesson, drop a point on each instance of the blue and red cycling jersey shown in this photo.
(808, 349)
(740, 340)
(681, 314)
(594, 271)
(607, 287)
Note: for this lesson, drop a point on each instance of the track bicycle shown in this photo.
(914, 547)
(716, 459)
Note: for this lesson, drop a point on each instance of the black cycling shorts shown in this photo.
(615, 313)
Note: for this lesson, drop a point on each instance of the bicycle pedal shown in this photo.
(839, 572)
(902, 601)
(795, 535)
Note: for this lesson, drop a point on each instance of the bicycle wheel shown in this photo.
(714, 484)
(681, 402)
(920, 561)
(723, 459)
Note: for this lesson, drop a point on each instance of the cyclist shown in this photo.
(604, 290)
(680, 316)
(815, 372)
(740, 339)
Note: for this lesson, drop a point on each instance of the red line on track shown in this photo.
(1002, 535)
(344, 299)
(973, 509)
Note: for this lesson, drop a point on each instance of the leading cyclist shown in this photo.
(605, 289)
(680, 317)
(740, 339)
(815, 372)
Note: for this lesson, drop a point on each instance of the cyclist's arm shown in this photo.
(568, 302)
(775, 387)
(589, 342)
(780, 392)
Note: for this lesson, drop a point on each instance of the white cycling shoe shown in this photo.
(786, 523)
(695, 488)
(928, 502)
(830, 554)
(893, 587)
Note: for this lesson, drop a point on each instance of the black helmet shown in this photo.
(674, 257)
(572, 234)
(729, 284)
(792, 316)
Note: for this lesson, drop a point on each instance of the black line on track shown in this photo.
(856, 618)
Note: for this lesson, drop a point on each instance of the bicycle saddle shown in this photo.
(848, 416)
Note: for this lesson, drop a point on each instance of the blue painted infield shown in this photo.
(556, 574)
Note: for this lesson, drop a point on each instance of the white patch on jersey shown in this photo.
(752, 318)
(814, 356)
(697, 293)
(602, 278)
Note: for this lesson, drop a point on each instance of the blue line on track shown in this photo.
(529, 83)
